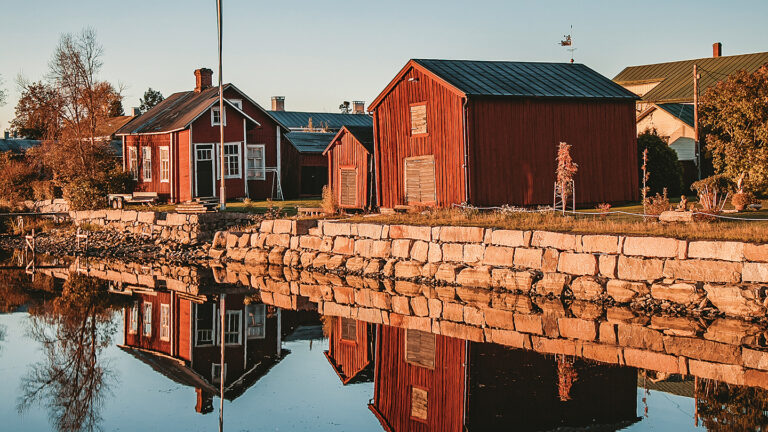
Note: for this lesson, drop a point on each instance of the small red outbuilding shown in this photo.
(351, 168)
(486, 133)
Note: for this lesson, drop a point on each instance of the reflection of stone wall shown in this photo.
(178, 227)
(726, 349)
(729, 275)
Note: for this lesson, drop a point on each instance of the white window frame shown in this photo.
(165, 164)
(233, 316)
(238, 164)
(259, 312)
(146, 328)
(146, 164)
(237, 102)
(133, 162)
(216, 374)
(165, 322)
(216, 110)
(133, 318)
(256, 172)
(212, 330)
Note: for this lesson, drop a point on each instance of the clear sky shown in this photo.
(320, 53)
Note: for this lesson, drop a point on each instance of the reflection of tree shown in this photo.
(724, 407)
(70, 381)
(2, 336)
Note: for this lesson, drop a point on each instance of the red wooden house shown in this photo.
(350, 348)
(180, 336)
(351, 167)
(428, 382)
(173, 149)
(452, 131)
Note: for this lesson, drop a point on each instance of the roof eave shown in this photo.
(412, 63)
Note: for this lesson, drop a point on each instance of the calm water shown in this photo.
(75, 356)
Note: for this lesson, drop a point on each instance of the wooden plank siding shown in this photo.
(444, 138)
(347, 153)
(349, 357)
(395, 380)
(154, 142)
(513, 147)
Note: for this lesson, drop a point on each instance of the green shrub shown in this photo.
(85, 194)
(664, 168)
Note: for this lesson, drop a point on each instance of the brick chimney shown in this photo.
(358, 107)
(717, 49)
(278, 103)
(203, 79)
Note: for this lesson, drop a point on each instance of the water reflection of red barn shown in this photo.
(180, 336)
(427, 382)
(350, 349)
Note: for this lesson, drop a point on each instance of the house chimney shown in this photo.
(278, 103)
(358, 107)
(203, 79)
(717, 49)
(135, 111)
(7, 134)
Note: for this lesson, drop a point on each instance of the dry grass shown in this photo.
(756, 231)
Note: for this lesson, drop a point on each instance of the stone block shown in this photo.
(401, 248)
(607, 265)
(499, 318)
(131, 215)
(473, 253)
(703, 270)
(473, 316)
(718, 250)
(407, 269)
(736, 300)
(607, 333)
(266, 226)
(355, 264)
(560, 241)
(676, 326)
(428, 270)
(636, 336)
(512, 280)
(624, 291)
(510, 338)
(410, 232)
(461, 234)
(756, 252)
(333, 229)
(344, 295)
(370, 231)
(552, 283)
(419, 251)
(644, 359)
(513, 302)
(435, 253)
(462, 331)
(435, 308)
(282, 240)
(256, 256)
(577, 263)
(652, 247)
(680, 293)
(453, 311)
(244, 241)
(420, 306)
(453, 252)
(446, 273)
(381, 300)
(147, 217)
(474, 276)
(343, 245)
(587, 288)
(510, 238)
(576, 328)
(702, 349)
(754, 359)
(730, 374)
(554, 346)
(401, 305)
(526, 323)
(603, 244)
(639, 269)
(549, 260)
(755, 272)
(733, 331)
(601, 353)
(528, 258)
(374, 266)
(282, 226)
(499, 256)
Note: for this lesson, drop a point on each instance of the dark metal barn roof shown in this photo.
(331, 121)
(310, 142)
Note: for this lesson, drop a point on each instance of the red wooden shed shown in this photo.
(486, 132)
(173, 149)
(350, 349)
(351, 168)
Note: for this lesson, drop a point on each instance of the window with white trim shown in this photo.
(232, 160)
(146, 163)
(255, 320)
(133, 162)
(232, 329)
(216, 118)
(237, 102)
(205, 319)
(147, 321)
(134, 318)
(165, 322)
(216, 372)
(255, 162)
(165, 164)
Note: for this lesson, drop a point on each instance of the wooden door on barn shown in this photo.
(348, 193)
(420, 180)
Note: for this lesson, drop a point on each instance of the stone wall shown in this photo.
(181, 228)
(729, 276)
(48, 206)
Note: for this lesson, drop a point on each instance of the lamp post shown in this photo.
(222, 187)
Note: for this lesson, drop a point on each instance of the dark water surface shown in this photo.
(78, 354)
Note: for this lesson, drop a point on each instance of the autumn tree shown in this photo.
(38, 111)
(734, 118)
(150, 99)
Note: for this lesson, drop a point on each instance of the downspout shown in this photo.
(466, 151)
(170, 167)
(376, 159)
(279, 159)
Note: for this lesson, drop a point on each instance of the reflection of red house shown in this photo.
(181, 338)
(350, 348)
(437, 383)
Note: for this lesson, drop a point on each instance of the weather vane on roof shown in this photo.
(568, 42)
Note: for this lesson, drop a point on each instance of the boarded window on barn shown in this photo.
(418, 119)
(348, 187)
(420, 348)
(348, 329)
(419, 403)
(420, 179)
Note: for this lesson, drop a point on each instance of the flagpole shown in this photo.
(222, 187)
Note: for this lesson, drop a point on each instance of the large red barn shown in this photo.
(486, 133)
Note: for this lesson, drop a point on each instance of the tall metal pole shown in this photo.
(696, 119)
(222, 188)
(222, 376)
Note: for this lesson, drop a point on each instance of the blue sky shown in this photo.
(319, 53)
